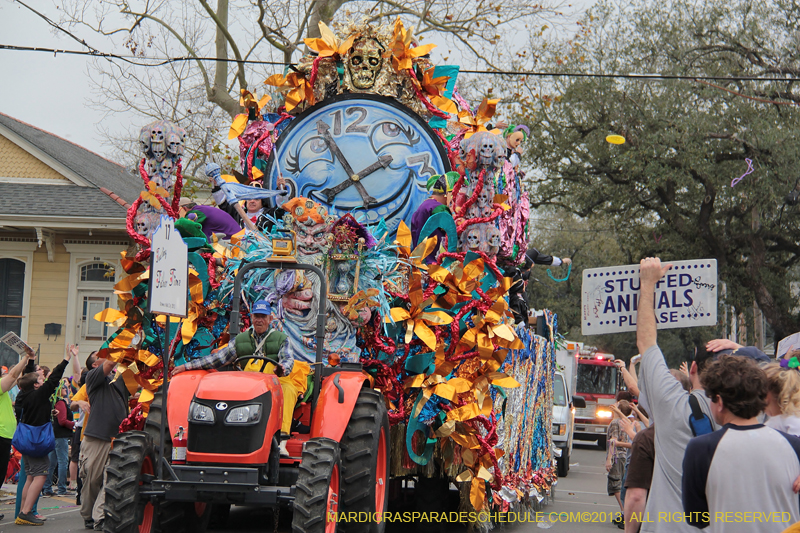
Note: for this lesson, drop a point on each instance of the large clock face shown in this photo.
(360, 153)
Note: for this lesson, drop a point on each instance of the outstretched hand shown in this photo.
(684, 368)
(651, 270)
(721, 344)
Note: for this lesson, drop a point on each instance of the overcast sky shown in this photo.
(51, 92)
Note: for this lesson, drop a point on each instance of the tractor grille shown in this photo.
(225, 438)
(585, 412)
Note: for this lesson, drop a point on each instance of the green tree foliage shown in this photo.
(668, 190)
(591, 243)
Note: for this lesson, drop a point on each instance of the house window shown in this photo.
(95, 293)
(12, 289)
(102, 272)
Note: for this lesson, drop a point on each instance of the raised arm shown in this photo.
(630, 380)
(650, 272)
(76, 365)
(10, 379)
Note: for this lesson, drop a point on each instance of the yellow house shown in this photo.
(62, 227)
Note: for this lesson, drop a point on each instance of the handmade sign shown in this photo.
(787, 344)
(13, 341)
(169, 270)
(686, 297)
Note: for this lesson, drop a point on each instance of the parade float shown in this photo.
(348, 145)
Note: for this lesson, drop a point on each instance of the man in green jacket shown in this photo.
(262, 341)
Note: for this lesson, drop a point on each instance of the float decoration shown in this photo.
(431, 325)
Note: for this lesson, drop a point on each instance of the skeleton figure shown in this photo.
(493, 241)
(364, 63)
(174, 144)
(142, 224)
(489, 148)
(157, 134)
(473, 240)
(159, 151)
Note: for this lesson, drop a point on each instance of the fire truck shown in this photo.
(598, 382)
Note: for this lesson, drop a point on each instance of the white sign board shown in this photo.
(13, 341)
(169, 270)
(685, 297)
(789, 343)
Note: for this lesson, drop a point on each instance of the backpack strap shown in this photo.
(697, 412)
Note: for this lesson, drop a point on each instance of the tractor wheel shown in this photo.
(198, 517)
(171, 515)
(131, 458)
(365, 463)
(318, 488)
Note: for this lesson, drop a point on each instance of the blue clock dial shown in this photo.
(360, 153)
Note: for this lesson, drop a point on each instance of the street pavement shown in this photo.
(579, 504)
(581, 500)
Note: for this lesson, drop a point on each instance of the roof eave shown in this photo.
(62, 222)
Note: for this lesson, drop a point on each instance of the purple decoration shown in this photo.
(749, 171)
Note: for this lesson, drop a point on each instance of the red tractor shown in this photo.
(338, 458)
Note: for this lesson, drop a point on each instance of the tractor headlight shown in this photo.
(604, 414)
(245, 414)
(201, 414)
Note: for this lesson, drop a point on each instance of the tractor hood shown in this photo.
(236, 386)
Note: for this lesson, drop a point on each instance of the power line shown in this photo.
(158, 62)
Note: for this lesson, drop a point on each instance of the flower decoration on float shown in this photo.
(327, 46)
(402, 49)
(152, 193)
(248, 101)
(433, 89)
(419, 316)
(295, 87)
(477, 122)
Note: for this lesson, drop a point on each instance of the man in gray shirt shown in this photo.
(668, 404)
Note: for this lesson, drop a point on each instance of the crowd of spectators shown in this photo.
(721, 437)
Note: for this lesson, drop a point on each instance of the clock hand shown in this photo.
(382, 162)
(324, 130)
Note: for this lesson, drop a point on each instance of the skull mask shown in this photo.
(364, 63)
(159, 152)
(488, 147)
(494, 241)
(175, 144)
(166, 167)
(157, 134)
(141, 225)
(473, 240)
(144, 141)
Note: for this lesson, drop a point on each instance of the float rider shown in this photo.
(261, 340)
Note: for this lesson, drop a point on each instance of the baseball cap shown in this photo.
(261, 307)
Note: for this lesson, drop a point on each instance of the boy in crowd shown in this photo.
(743, 466)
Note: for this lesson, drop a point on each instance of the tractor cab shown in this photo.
(232, 426)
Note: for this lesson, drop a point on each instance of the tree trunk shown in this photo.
(324, 10)
(219, 91)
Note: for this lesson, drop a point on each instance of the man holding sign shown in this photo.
(668, 403)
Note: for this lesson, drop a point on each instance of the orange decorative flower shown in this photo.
(295, 88)
(150, 197)
(400, 49)
(328, 45)
(477, 122)
(434, 89)
(247, 100)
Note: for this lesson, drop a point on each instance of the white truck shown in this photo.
(564, 404)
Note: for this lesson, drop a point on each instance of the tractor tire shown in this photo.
(131, 457)
(365, 463)
(562, 464)
(198, 517)
(172, 516)
(318, 488)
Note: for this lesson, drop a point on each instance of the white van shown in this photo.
(564, 421)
